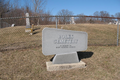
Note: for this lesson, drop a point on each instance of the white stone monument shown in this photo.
(28, 27)
(117, 23)
(13, 25)
(72, 20)
(65, 44)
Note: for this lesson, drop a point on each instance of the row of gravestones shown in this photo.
(28, 21)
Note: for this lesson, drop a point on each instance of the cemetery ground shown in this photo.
(21, 56)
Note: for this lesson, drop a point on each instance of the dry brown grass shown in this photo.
(15, 37)
(29, 64)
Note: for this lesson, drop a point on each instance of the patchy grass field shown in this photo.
(15, 37)
(30, 63)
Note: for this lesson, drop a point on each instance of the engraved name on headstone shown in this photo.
(57, 41)
(27, 21)
(63, 43)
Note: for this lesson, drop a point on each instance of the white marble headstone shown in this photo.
(59, 41)
(117, 23)
(72, 20)
(27, 21)
(12, 25)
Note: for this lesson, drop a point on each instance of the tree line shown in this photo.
(7, 9)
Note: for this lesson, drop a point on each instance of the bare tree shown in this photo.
(96, 14)
(117, 15)
(104, 14)
(38, 8)
(15, 4)
(4, 7)
(16, 13)
(81, 19)
(47, 19)
(65, 13)
(38, 5)
(112, 20)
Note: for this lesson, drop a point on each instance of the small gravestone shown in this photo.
(65, 44)
(66, 58)
(110, 23)
(117, 23)
(28, 27)
(72, 20)
(12, 25)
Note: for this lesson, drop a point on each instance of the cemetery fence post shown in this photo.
(56, 22)
(118, 33)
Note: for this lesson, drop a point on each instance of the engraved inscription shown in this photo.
(66, 41)
(65, 46)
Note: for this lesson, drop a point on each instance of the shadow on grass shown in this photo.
(52, 58)
(36, 29)
(35, 32)
(81, 55)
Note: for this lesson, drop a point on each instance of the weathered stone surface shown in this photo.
(57, 67)
(59, 41)
(65, 58)
(28, 30)
(27, 21)
(72, 20)
(65, 44)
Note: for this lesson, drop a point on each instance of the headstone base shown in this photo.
(56, 67)
(28, 30)
(66, 58)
